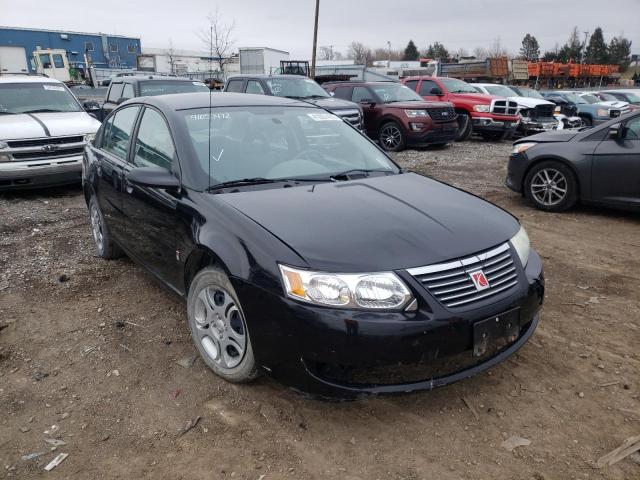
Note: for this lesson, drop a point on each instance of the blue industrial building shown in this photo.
(102, 50)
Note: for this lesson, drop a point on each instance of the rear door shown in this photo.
(111, 159)
(151, 212)
(235, 85)
(616, 167)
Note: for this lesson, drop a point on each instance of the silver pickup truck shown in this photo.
(43, 131)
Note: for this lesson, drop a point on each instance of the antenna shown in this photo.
(209, 136)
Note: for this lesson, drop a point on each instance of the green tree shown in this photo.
(411, 52)
(530, 49)
(619, 51)
(572, 50)
(597, 51)
(437, 51)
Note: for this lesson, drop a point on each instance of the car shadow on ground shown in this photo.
(48, 192)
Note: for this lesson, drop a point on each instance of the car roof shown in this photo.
(265, 76)
(27, 79)
(150, 78)
(185, 101)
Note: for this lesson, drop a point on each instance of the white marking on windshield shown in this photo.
(219, 156)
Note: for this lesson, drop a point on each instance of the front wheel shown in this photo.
(391, 137)
(551, 186)
(218, 327)
(465, 127)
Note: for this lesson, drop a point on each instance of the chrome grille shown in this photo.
(543, 111)
(351, 116)
(504, 107)
(614, 113)
(446, 114)
(451, 284)
(38, 142)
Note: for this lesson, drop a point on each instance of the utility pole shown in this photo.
(315, 41)
(584, 48)
(211, 52)
(389, 58)
(331, 54)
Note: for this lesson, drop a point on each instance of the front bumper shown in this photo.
(516, 168)
(434, 133)
(40, 173)
(336, 353)
(494, 123)
(531, 126)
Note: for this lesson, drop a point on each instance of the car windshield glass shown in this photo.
(457, 86)
(394, 92)
(36, 97)
(572, 97)
(238, 143)
(155, 87)
(501, 91)
(295, 87)
(590, 98)
(529, 92)
(632, 97)
(607, 97)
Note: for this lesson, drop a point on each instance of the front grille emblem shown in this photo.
(50, 148)
(479, 280)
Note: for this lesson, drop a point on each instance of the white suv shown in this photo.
(43, 131)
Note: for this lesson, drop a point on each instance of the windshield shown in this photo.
(607, 97)
(590, 98)
(155, 87)
(572, 97)
(394, 92)
(236, 143)
(457, 86)
(36, 97)
(529, 92)
(295, 87)
(632, 97)
(500, 90)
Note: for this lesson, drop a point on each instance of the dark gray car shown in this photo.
(599, 165)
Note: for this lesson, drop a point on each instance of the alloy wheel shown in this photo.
(96, 228)
(220, 327)
(391, 136)
(549, 187)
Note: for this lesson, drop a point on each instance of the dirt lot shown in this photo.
(91, 346)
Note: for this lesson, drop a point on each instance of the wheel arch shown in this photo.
(200, 258)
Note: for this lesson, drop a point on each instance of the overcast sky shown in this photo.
(288, 24)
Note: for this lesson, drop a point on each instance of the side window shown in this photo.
(412, 84)
(632, 131)
(116, 140)
(127, 91)
(234, 86)
(343, 93)
(115, 92)
(154, 147)
(58, 62)
(106, 127)
(254, 86)
(45, 60)
(427, 85)
(360, 94)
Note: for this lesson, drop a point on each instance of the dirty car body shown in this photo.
(466, 287)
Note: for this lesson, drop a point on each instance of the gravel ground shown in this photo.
(91, 346)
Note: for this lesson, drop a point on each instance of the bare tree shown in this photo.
(218, 38)
(172, 57)
(361, 54)
(480, 53)
(325, 53)
(383, 54)
(497, 50)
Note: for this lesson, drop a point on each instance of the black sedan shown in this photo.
(303, 250)
(600, 165)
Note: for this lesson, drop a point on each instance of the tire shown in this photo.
(218, 328)
(587, 121)
(105, 246)
(494, 136)
(544, 183)
(465, 127)
(391, 137)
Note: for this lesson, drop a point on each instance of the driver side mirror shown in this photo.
(436, 91)
(368, 102)
(153, 177)
(616, 131)
(91, 106)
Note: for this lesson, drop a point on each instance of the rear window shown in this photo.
(153, 88)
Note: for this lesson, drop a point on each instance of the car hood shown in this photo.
(414, 105)
(478, 97)
(529, 102)
(332, 103)
(52, 124)
(376, 224)
(550, 137)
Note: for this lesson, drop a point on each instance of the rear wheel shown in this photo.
(465, 128)
(391, 137)
(551, 186)
(105, 246)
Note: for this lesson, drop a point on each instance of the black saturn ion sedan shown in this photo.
(303, 250)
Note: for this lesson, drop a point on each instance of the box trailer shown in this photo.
(260, 60)
(13, 60)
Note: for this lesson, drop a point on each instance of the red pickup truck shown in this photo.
(492, 117)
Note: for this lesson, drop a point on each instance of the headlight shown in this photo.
(88, 137)
(520, 242)
(5, 157)
(3, 145)
(558, 109)
(482, 108)
(416, 113)
(602, 112)
(373, 291)
(521, 147)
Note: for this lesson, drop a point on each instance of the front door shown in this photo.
(616, 166)
(366, 99)
(151, 212)
(426, 90)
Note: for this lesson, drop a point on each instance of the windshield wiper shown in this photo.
(366, 172)
(44, 110)
(241, 183)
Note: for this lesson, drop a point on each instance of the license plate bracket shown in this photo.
(496, 332)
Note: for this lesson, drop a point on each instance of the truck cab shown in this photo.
(52, 63)
(493, 117)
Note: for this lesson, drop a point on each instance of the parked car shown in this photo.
(304, 251)
(592, 98)
(599, 165)
(494, 118)
(536, 115)
(105, 82)
(398, 117)
(631, 96)
(124, 88)
(564, 112)
(299, 88)
(591, 114)
(43, 130)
